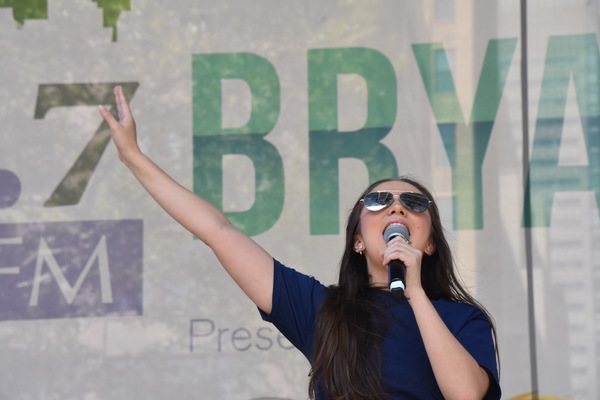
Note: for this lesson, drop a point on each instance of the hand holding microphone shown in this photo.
(396, 268)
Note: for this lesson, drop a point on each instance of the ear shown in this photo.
(430, 247)
(359, 245)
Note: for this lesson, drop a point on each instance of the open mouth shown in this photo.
(394, 230)
(396, 223)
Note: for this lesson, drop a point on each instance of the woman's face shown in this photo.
(372, 225)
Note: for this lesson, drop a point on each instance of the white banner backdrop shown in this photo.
(103, 296)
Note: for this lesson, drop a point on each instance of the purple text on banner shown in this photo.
(71, 269)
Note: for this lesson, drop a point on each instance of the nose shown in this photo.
(396, 206)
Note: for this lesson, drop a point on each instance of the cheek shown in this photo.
(425, 230)
(369, 225)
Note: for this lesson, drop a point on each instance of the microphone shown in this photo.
(396, 268)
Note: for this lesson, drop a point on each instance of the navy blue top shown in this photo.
(407, 373)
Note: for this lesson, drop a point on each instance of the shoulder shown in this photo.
(456, 315)
(454, 308)
(286, 273)
(290, 282)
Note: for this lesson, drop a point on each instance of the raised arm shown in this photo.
(248, 264)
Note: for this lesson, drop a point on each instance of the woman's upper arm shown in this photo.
(250, 266)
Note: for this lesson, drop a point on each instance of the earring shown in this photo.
(429, 249)
(358, 249)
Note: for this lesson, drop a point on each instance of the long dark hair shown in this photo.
(346, 358)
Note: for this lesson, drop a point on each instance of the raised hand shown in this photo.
(123, 131)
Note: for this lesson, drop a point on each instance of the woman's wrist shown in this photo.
(412, 294)
(131, 157)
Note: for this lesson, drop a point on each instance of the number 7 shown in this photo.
(71, 187)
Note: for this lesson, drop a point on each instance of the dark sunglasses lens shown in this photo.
(415, 202)
(378, 200)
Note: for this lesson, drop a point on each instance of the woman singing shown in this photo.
(435, 342)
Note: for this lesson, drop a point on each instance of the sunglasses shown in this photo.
(416, 202)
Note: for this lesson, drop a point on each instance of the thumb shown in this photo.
(113, 124)
(108, 117)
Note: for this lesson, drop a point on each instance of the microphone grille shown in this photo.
(395, 230)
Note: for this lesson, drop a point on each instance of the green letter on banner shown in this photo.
(569, 57)
(465, 143)
(328, 145)
(212, 141)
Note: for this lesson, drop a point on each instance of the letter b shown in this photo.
(212, 141)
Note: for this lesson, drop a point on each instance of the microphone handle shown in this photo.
(397, 278)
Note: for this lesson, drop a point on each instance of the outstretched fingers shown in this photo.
(123, 131)
(108, 117)
(123, 109)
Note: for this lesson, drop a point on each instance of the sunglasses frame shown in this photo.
(398, 193)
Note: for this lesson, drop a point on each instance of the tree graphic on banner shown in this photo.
(38, 9)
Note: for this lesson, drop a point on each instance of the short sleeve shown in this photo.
(296, 298)
(477, 338)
